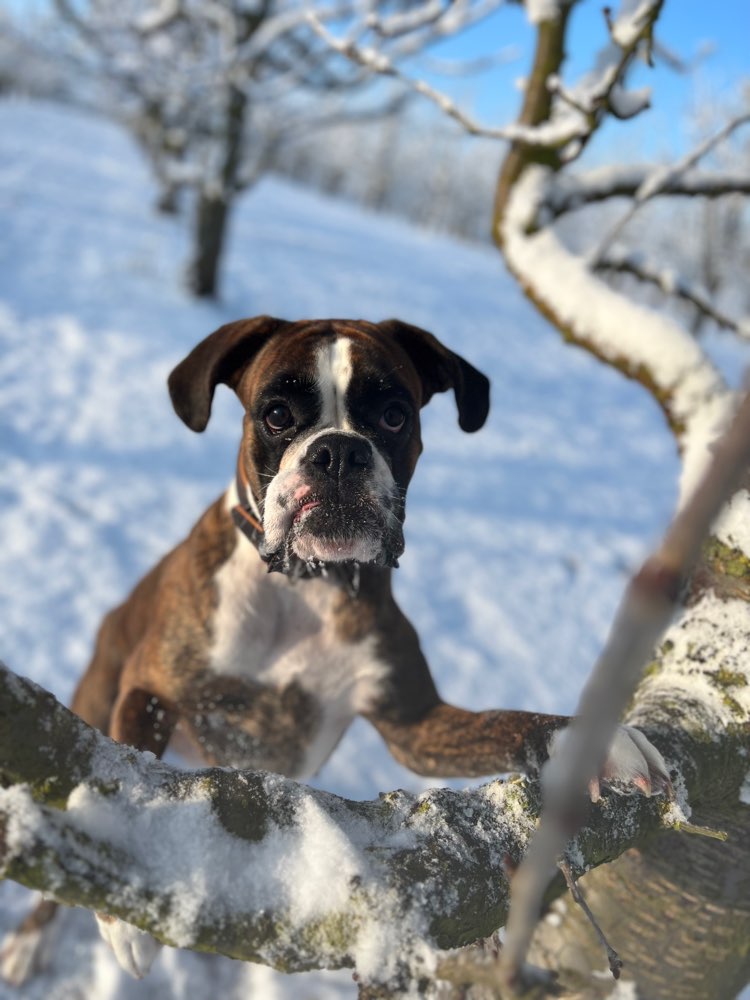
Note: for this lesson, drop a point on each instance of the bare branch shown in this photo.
(407, 20)
(549, 136)
(573, 191)
(647, 607)
(455, 17)
(661, 177)
(586, 104)
(668, 282)
(469, 67)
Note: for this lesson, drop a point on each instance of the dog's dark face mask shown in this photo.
(331, 432)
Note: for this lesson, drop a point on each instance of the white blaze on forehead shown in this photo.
(333, 373)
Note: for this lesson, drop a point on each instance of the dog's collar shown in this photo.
(242, 512)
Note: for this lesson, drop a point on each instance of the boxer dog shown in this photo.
(262, 635)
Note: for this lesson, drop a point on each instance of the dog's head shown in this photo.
(331, 431)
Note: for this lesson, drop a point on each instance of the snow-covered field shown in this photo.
(518, 538)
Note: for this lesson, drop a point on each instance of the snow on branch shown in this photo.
(373, 59)
(649, 603)
(643, 344)
(415, 29)
(407, 20)
(576, 112)
(257, 867)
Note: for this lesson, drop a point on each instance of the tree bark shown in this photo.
(677, 911)
(216, 200)
(210, 231)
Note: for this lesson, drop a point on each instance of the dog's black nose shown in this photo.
(340, 454)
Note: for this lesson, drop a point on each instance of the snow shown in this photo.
(630, 20)
(617, 328)
(519, 538)
(629, 103)
(542, 10)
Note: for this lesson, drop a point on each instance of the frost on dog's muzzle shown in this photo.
(329, 536)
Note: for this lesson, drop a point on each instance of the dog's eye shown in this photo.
(393, 419)
(278, 417)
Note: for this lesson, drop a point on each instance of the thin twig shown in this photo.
(615, 962)
(682, 826)
(470, 67)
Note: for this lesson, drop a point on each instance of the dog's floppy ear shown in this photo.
(220, 358)
(440, 369)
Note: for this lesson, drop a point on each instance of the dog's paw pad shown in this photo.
(135, 950)
(24, 954)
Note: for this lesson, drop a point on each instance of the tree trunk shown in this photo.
(210, 229)
(216, 200)
(677, 911)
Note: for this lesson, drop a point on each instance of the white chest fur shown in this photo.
(269, 630)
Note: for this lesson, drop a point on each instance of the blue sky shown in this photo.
(712, 35)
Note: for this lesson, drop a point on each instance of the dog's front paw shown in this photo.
(135, 950)
(633, 764)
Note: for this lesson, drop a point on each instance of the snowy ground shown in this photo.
(518, 538)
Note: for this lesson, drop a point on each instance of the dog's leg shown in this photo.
(97, 690)
(143, 720)
(452, 742)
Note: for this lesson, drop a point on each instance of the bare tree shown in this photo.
(214, 91)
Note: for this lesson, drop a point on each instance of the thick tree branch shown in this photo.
(645, 346)
(257, 867)
(705, 644)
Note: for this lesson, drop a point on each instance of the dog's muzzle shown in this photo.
(336, 503)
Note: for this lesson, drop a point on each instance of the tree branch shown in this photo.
(675, 287)
(574, 191)
(547, 136)
(647, 347)
(655, 182)
(257, 867)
